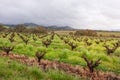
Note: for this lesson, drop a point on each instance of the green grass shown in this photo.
(59, 51)
(12, 70)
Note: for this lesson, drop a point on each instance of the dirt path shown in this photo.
(68, 68)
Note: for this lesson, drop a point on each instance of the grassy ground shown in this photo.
(12, 70)
(59, 51)
(99, 33)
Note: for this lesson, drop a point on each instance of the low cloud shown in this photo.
(82, 14)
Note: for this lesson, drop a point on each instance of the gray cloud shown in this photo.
(92, 14)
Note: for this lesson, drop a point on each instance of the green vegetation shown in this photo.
(61, 48)
(86, 33)
(60, 51)
(12, 70)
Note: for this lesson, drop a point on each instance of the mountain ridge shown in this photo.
(32, 25)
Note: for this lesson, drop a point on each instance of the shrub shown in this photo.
(38, 29)
(34, 38)
(20, 28)
(73, 45)
(46, 42)
(12, 37)
(90, 64)
(40, 54)
(85, 33)
(111, 50)
(66, 40)
(7, 49)
(2, 28)
(25, 40)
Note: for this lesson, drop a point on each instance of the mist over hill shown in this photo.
(32, 25)
(54, 27)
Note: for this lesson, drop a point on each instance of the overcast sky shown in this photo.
(91, 14)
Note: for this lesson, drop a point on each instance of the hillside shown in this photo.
(32, 25)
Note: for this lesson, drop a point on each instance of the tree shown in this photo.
(20, 28)
(2, 27)
(38, 29)
(85, 33)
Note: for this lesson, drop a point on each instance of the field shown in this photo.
(60, 48)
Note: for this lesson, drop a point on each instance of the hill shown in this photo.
(59, 28)
(32, 25)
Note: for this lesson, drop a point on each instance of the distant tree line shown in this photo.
(85, 33)
(23, 29)
(2, 28)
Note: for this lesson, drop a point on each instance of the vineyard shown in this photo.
(57, 55)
